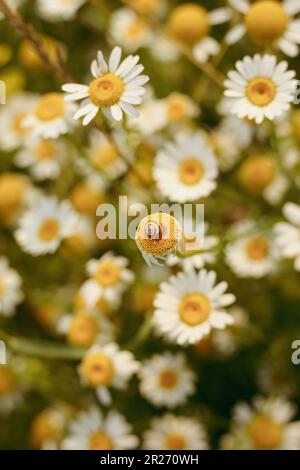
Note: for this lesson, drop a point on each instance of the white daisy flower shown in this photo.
(50, 425)
(265, 426)
(190, 305)
(187, 169)
(11, 395)
(180, 107)
(229, 139)
(44, 157)
(116, 88)
(92, 431)
(152, 117)
(166, 380)
(109, 277)
(288, 234)
(130, 30)
(10, 289)
(104, 367)
(84, 329)
(163, 49)
(282, 29)
(260, 88)
(12, 117)
(51, 117)
(172, 432)
(104, 156)
(253, 253)
(197, 246)
(261, 176)
(43, 227)
(226, 341)
(58, 10)
(191, 24)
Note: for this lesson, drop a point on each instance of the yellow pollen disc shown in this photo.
(265, 433)
(43, 429)
(145, 7)
(256, 173)
(257, 248)
(100, 441)
(12, 186)
(85, 198)
(105, 156)
(266, 21)
(191, 171)
(107, 273)
(261, 91)
(98, 369)
(136, 29)
(106, 90)
(189, 23)
(176, 108)
(17, 124)
(194, 309)
(7, 381)
(175, 441)
(158, 234)
(168, 379)
(83, 330)
(50, 107)
(49, 230)
(45, 150)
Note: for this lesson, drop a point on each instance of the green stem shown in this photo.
(41, 348)
(142, 333)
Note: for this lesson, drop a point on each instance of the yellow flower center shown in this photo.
(266, 21)
(257, 248)
(85, 198)
(194, 309)
(50, 107)
(98, 369)
(168, 379)
(49, 230)
(261, 91)
(83, 330)
(45, 150)
(145, 7)
(265, 433)
(100, 441)
(189, 23)
(43, 429)
(107, 273)
(175, 441)
(136, 29)
(158, 234)
(7, 381)
(191, 171)
(106, 90)
(17, 124)
(257, 173)
(105, 156)
(12, 187)
(176, 108)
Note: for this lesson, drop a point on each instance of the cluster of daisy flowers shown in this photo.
(162, 114)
